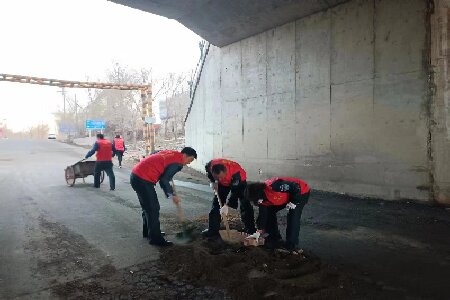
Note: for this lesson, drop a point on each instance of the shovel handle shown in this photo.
(224, 218)
(180, 214)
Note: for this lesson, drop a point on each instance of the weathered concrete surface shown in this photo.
(225, 22)
(339, 98)
(440, 104)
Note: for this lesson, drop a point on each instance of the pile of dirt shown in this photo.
(206, 269)
(254, 273)
(143, 281)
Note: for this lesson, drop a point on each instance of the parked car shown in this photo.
(51, 136)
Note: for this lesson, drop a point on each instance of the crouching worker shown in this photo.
(228, 178)
(271, 197)
(161, 166)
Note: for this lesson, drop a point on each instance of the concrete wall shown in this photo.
(440, 104)
(339, 98)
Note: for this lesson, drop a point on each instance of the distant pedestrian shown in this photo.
(119, 145)
(105, 153)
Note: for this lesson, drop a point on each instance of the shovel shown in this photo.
(231, 236)
(224, 218)
(186, 234)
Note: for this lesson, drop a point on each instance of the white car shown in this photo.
(51, 136)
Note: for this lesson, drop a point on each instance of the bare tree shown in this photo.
(120, 109)
(175, 99)
(38, 132)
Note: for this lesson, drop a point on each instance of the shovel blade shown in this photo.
(235, 237)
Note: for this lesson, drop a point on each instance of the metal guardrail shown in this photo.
(197, 74)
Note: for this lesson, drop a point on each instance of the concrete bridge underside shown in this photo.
(352, 96)
(224, 22)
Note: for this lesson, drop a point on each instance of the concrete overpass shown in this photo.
(224, 22)
(350, 95)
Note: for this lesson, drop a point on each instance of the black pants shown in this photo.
(267, 220)
(247, 214)
(106, 166)
(150, 207)
(119, 156)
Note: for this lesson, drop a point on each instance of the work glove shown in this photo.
(290, 205)
(214, 186)
(255, 236)
(260, 201)
(224, 210)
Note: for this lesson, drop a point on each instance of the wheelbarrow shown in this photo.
(81, 169)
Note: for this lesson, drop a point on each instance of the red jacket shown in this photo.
(119, 144)
(104, 151)
(153, 166)
(284, 191)
(231, 167)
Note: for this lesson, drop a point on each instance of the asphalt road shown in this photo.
(51, 233)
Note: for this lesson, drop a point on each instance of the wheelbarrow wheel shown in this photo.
(70, 176)
(102, 176)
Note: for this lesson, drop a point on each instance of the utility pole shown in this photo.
(63, 92)
(64, 97)
(76, 115)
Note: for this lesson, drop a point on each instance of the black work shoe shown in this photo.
(145, 232)
(161, 243)
(289, 247)
(210, 234)
(273, 243)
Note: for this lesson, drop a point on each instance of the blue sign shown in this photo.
(95, 124)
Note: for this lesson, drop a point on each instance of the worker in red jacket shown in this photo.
(105, 153)
(119, 145)
(228, 178)
(271, 197)
(160, 166)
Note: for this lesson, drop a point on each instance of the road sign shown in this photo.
(150, 120)
(95, 124)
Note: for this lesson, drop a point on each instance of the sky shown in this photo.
(73, 39)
